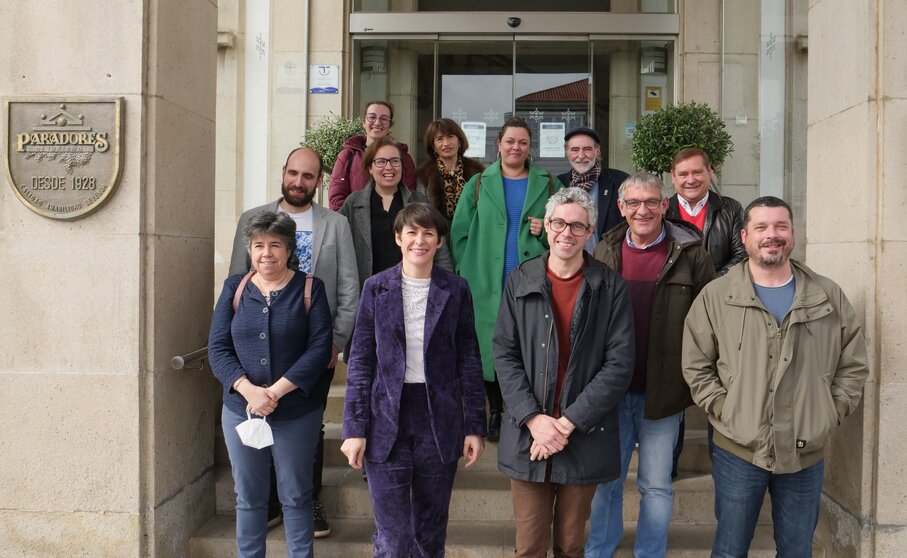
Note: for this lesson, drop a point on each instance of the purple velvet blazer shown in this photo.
(377, 364)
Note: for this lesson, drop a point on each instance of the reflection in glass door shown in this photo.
(475, 85)
(556, 85)
(551, 91)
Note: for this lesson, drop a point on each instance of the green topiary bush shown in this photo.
(660, 135)
(326, 137)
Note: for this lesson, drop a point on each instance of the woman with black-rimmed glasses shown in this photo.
(348, 174)
(372, 210)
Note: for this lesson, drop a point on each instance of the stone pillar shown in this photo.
(623, 104)
(858, 235)
(106, 451)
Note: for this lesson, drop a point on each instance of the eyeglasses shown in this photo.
(651, 203)
(371, 118)
(381, 163)
(558, 225)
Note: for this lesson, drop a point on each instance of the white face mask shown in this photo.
(255, 432)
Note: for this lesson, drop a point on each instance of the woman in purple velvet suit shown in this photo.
(415, 401)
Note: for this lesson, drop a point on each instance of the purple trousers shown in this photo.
(411, 490)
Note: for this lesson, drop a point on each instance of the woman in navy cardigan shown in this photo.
(270, 355)
(415, 401)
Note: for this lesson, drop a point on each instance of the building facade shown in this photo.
(107, 449)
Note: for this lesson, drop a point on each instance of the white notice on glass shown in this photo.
(475, 135)
(551, 139)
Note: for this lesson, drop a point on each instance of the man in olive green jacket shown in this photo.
(774, 354)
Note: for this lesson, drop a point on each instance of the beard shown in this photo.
(583, 168)
(772, 259)
(297, 200)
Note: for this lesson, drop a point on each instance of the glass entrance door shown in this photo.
(482, 83)
(552, 85)
(556, 84)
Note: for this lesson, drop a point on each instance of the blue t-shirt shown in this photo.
(777, 300)
(514, 198)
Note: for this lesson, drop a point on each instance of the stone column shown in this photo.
(623, 104)
(858, 236)
(106, 451)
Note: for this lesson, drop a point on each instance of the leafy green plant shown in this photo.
(661, 134)
(327, 135)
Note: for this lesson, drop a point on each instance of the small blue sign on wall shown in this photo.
(324, 79)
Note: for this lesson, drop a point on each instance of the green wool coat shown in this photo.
(477, 236)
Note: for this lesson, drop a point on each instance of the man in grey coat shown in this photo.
(324, 248)
(563, 352)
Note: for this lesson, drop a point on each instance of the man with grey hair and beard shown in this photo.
(774, 354)
(563, 352)
(601, 183)
(324, 248)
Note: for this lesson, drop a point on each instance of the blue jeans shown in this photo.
(739, 492)
(656, 440)
(293, 454)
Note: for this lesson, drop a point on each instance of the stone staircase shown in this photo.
(481, 513)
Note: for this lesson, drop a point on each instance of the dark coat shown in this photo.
(608, 213)
(267, 343)
(721, 232)
(357, 210)
(428, 177)
(348, 176)
(685, 272)
(377, 365)
(601, 365)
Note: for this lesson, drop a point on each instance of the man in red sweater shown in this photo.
(665, 267)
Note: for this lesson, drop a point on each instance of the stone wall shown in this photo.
(856, 51)
(105, 450)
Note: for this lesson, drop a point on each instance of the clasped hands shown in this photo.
(262, 401)
(549, 435)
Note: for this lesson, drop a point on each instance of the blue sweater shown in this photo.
(269, 342)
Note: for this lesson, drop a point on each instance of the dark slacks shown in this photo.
(539, 506)
(410, 491)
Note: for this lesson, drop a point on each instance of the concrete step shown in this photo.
(336, 396)
(695, 418)
(339, 373)
(351, 538)
(484, 495)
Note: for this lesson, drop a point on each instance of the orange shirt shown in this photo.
(563, 294)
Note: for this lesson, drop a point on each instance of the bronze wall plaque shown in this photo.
(63, 156)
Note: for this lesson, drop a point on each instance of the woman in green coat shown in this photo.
(497, 226)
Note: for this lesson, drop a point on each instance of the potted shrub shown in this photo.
(326, 137)
(661, 134)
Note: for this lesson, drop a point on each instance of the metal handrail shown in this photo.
(183, 361)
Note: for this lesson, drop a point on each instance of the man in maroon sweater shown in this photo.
(665, 267)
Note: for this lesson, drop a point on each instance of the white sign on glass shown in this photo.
(551, 139)
(475, 135)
